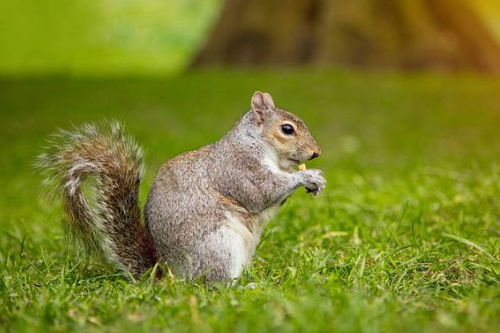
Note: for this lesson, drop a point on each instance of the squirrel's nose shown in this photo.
(314, 155)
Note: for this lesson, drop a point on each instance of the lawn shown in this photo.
(404, 238)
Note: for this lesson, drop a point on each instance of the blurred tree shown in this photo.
(437, 34)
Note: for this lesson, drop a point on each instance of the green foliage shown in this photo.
(404, 238)
(96, 36)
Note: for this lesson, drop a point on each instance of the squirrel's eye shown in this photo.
(287, 129)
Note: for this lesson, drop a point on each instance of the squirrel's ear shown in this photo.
(262, 103)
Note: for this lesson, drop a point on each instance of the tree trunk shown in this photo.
(409, 34)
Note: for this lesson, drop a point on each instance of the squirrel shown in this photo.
(206, 208)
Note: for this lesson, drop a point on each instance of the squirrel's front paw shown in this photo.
(313, 180)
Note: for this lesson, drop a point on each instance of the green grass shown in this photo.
(404, 238)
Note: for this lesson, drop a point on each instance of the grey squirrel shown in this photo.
(206, 208)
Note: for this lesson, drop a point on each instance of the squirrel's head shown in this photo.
(284, 131)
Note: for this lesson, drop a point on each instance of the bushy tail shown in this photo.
(107, 217)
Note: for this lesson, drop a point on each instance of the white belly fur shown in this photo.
(241, 242)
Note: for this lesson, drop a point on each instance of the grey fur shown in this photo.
(194, 193)
(206, 208)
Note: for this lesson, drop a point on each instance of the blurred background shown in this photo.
(103, 37)
(387, 86)
(402, 95)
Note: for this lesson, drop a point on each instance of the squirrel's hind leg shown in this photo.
(223, 254)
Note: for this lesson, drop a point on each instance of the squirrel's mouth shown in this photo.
(296, 162)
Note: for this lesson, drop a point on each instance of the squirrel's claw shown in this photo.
(313, 181)
(315, 191)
